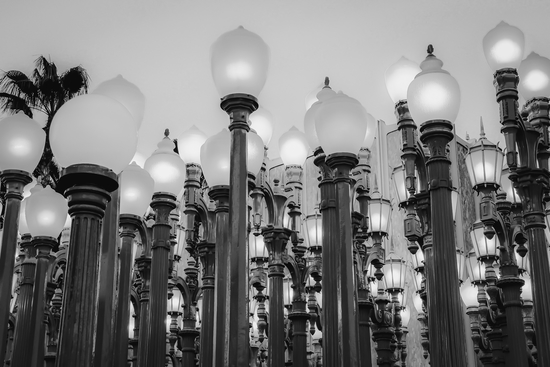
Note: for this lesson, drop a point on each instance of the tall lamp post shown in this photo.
(526, 137)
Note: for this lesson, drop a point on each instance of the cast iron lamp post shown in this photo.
(21, 144)
(526, 137)
(79, 127)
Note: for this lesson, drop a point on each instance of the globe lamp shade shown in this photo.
(46, 212)
(136, 189)
(261, 121)
(341, 125)
(93, 129)
(239, 62)
(23, 226)
(534, 77)
(293, 147)
(311, 97)
(257, 247)
(399, 76)
(254, 152)
(176, 302)
(379, 214)
(127, 94)
(21, 143)
(311, 113)
(503, 46)
(468, 292)
(215, 158)
(371, 132)
(166, 168)
(190, 143)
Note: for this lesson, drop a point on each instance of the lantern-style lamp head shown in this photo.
(503, 46)
(399, 76)
(314, 231)
(484, 163)
(405, 316)
(239, 62)
(166, 167)
(468, 292)
(46, 212)
(257, 247)
(215, 158)
(341, 125)
(176, 302)
(527, 289)
(486, 249)
(309, 119)
(254, 152)
(506, 186)
(433, 94)
(128, 94)
(293, 147)
(379, 213)
(394, 274)
(136, 189)
(93, 129)
(475, 268)
(261, 121)
(190, 143)
(534, 74)
(21, 143)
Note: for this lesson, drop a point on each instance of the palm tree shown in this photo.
(44, 91)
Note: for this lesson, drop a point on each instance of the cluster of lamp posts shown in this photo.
(94, 137)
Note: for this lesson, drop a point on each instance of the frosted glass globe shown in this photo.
(136, 189)
(293, 147)
(239, 62)
(166, 168)
(93, 129)
(309, 118)
(215, 160)
(21, 143)
(254, 152)
(23, 227)
(434, 94)
(399, 76)
(534, 77)
(128, 94)
(341, 124)
(190, 143)
(371, 131)
(503, 46)
(261, 121)
(45, 211)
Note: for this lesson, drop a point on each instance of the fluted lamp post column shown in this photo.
(341, 127)
(168, 171)
(136, 190)
(78, 128)
(239, 62)
(434, 99)
(528, 139)
(21, 144)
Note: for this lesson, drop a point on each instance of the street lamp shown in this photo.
(526, 136)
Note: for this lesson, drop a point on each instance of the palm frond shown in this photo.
(17, 83)
(75, 80)
(12, 104)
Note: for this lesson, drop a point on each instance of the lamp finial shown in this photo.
(327, 82)
(166, 132)
(481, 129)
(430, 49)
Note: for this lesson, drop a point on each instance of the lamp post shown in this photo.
(21, 144)
(527, 139)
(92, 120)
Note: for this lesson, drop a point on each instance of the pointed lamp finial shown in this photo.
(327, 82)
(481, 129)
(166, 132)
(430, 49)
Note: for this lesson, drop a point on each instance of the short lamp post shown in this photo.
(526, 136)
(21, 144)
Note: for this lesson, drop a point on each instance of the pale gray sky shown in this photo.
(164, 46)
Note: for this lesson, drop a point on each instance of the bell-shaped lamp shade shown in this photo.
(475, 268)
(371, 132)
(405, 316)
(239, 61)
(527, 289)
(534, 77)
(468, 292)
(399, 76)
(503, 46)
(341, 125)
(190, 143)
(293, 147)
(128, 94)
(257, 247)
(136, 189)
(21, 143)
(46, 212)
(484, 163)
(93, 129)
(314, 230)
(215, 158)
(254, 152)
(23, 226)
(311, 113)
(485, 248)
(434, 94)
(166, 168)
(261, 121)
(394, 274)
